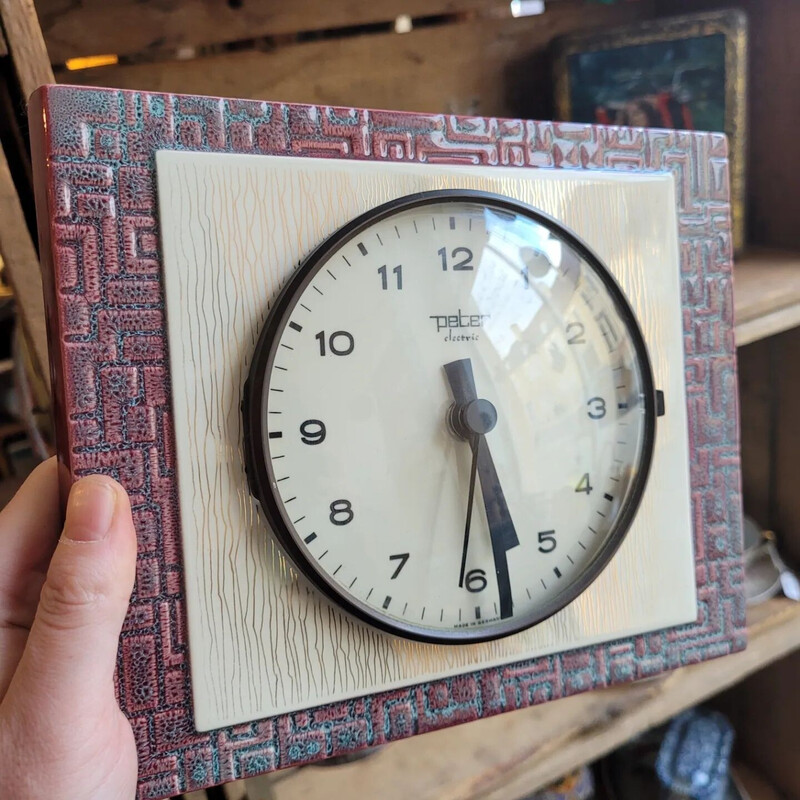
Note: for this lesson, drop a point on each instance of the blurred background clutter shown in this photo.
(716, 730)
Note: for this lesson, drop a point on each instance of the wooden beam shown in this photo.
(128, 27)
(509, 756)
(766, 294)
(25, 44)
(492, 67)
(22, 267)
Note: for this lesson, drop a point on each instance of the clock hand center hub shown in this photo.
(474, 418)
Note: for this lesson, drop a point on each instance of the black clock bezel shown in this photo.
(261, 477)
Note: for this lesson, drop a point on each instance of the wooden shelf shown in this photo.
(766, 294)
(509, 756)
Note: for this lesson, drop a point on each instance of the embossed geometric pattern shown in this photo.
(113, 396)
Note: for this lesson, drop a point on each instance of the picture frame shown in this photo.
(687, 73)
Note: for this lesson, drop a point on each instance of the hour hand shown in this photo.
(461, 380)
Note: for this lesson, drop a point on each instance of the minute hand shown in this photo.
(497, 514)
(501, 528)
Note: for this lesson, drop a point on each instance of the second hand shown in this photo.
(472, 474)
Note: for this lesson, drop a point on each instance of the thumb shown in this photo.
(72, 647)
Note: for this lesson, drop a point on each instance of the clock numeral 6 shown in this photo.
(341, 512)
(597, 408)
(547, 541)
(463, 254)
(397, 272)
(475, 580)
(340, 343)
(312, 431)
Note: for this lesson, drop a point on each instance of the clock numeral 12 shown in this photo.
(340, 343)
(397, 272)
(465, 255)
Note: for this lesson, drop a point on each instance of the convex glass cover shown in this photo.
(450, 417)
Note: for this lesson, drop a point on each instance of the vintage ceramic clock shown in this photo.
(423, 418)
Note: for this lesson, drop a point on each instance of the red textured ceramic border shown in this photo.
(96, 198)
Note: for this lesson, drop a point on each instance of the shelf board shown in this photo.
(507, 757)
(766, 294)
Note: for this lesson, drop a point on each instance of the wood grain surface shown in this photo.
(22, 268)
(491, 67)
(130, 27)
(26, 45)
(261, 641)
(766, 294)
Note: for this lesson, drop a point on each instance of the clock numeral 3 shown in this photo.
(577, 336)
(340, 343)
(465, 255)
(547, 541)
(584, 485)
(312, 431)
(341, 512)
(397, 272)
(597, 408)
(475, 580)
(402, 558)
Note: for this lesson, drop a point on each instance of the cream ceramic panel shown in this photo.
(234, 227)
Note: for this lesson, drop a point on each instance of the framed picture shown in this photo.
(685, 72)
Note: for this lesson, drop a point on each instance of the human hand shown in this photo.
(62, 604)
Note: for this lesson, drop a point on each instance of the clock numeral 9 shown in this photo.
(547, 541)
(578, 330)
(465, 255)
(341, 512)
(312, 431)
(475, 580)
(397, 272)
(597, 408)
(584, 485)
(340, 343)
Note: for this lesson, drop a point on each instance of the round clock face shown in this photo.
(450, 416)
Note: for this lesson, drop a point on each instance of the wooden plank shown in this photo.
(235, 791)
(509, 756)
(753, 782)
(766, 294)
(128, 27)
(430, 69)
(22, 268)
(26, 45)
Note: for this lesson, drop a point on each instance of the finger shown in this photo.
(28, 534)
(71, 650)
(29, 527)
